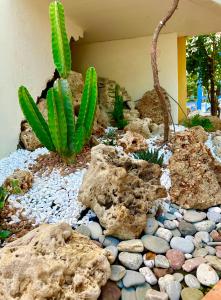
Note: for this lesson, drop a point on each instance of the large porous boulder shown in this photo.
(149, 106)
(132, 142)
(144, 127)
(195, 175)
(120, 190)
(52, 262)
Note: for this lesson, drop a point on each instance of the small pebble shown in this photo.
(83, 229)
(155, 295)
(176, 258)
(155, 244)
(117, 272)
(207, 275)
(128, 294)
(132, 261)
(95, 229)
(151, 226)
(131, 246)
(161, 262)
(193, 263)
(170, 225)
(173, 290)
(141, 291)
(191, 294)
(149, 275)
(191, 281)
(200, 252)
(182, 244)
(193, 216)
(133, 278)
(214, 216)
(164, 234)
(186, 228)
(205, 226)
(178, 277)
(112, 253)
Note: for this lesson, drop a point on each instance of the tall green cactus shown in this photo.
(61, 134)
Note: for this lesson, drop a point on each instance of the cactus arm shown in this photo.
(35, 118)
(88, 102)
(60, 45)
(56, 117)
(79, 139)
(69, 115)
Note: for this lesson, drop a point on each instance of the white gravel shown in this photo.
(211, 146)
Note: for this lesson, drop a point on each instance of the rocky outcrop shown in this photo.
(149, 106)
(120, 190)
(144, 126)
(195, 175)
(52, 262)
(132, 142)
(19, 182)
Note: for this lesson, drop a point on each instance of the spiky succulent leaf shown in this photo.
(56, 116)
(88, 103)
(35, 118)
(60, 45)
(152, 156)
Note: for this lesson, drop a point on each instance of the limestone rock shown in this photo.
(144, 127)
(132, 142)
(194, 173)
(52, 262)
(149, 106)
(120, 190)
(19, 182)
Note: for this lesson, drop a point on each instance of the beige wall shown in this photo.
(128, 62)
(25, 60)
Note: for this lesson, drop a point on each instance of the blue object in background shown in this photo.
(199, 95)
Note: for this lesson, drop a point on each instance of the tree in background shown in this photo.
(204, 63)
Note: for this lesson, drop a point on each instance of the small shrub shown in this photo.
(118, 112)
(109, 137)
(3, 197)
(151, 156)
(198, 120)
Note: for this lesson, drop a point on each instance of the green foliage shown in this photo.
(15, 187)
(61, 134)
(118, 112)
(110, 137)
(198, 120)
(3, 197)
(204, 63)
(151, 156)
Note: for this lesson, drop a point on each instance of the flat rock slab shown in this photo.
(155, 244)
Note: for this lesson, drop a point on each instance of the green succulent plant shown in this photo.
(198, 120)
(62, 134)
(118, 112)
(151, 156)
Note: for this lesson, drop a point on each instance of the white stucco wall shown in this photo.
(128, 62)
(25, 59)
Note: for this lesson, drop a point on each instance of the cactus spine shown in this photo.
(61, 134)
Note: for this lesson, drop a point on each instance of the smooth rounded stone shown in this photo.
(182, 244)
(178, 277)
(170, 225)
(169, 216)
(206, 275)
(202, 236)
(176, 258)
(173, 290)
(95, 229)
(161, 262)
(110, 291)
(83, 229)
(191, 294)
(141, 291)
(191, 281)
(108, 241)
(200, 252)
(120, 284)
(155, 244)
(178, 216)
(214, 216)
(112, 253)
(176, 233)
(165, 234)
(149, 275)
(152, 225)
(117, 272)
(214, 262)
(131, 246)
(193, 263)
(163, 282)
(205, 226)
(159, 272)
(215, 209)
(133, 278)
(193, 216)
(188, 255)
(215, 235)
(148, 259)
(155, 295)
(211, 250)
(186, 228)
(128, 294)
(131, 261)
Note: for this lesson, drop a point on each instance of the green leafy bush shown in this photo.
(151, 156)
(61, 134)
(3, 197)
(198, 120)
(118, 112)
